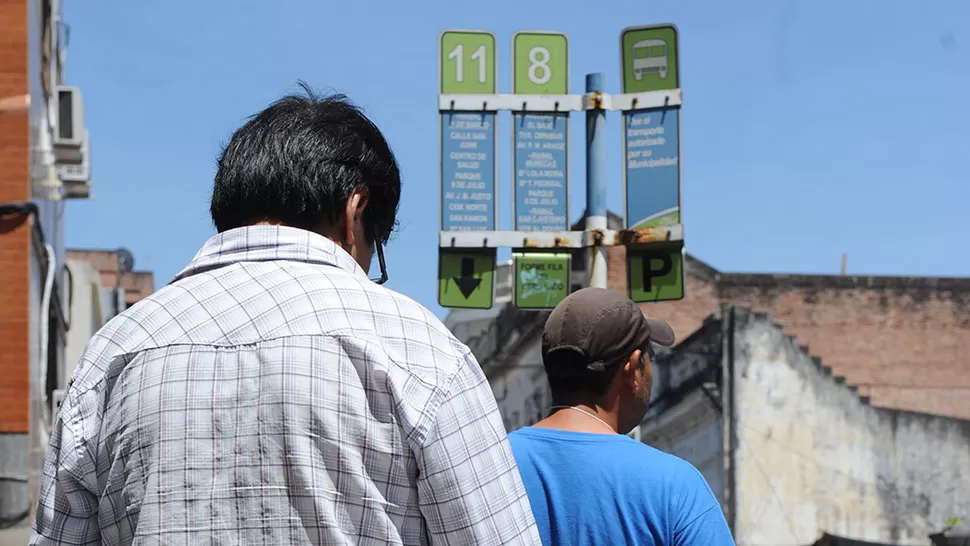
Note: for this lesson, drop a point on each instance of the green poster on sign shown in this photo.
(467, 62)
(655, 272)
(466, 278)
(540, 63)
(649, 58)
(541, 280)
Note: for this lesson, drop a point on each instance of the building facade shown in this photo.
(44, 160)
(888, 383)
(792, 451)
(103, 284)
(90, 307)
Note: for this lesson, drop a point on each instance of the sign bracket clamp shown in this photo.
(559, 103)
(560, 239)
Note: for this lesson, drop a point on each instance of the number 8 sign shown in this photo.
(540, 140)
(540, 63)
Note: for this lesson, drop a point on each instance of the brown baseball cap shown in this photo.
(601, 328)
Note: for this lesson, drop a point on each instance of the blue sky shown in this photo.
(809, 128)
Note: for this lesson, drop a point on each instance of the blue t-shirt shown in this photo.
(588, 489)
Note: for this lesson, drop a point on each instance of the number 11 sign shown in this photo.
(467, 64)
(467, 145)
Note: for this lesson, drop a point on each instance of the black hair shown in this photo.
(298, 161)
(572, 377)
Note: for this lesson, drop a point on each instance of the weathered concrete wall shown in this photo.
(813, 457)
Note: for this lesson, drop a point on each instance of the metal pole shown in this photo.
(596, 179)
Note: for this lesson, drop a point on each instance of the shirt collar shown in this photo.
(268, 243)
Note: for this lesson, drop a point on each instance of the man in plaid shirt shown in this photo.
(272, 393)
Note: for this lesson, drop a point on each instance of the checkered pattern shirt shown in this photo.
(272, 394)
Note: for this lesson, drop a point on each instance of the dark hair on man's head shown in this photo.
(571, 377)
(298, 161)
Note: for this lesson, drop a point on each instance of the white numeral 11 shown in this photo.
(478, 55)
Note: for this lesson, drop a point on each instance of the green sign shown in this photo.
(649, 58)
(655, 272)
(541, 279)
(467, 64)
(540, 63)
(466, 278)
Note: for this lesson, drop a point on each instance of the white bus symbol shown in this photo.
(650, 56)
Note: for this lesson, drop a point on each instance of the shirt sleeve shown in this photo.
(67, 508)
(469, 487)
(708, 529)
(702, 522)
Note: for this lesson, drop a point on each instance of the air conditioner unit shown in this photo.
(68, 125)
(76, 177)
(77, 190)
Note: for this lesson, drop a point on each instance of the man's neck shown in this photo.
(580, 418)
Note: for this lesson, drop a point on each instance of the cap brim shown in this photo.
(660, 332)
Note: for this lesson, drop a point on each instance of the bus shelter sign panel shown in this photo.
(541, 181)
(468, 171)
(651, 167)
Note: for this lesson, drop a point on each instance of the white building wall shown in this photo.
(87, 314)
(812, 457)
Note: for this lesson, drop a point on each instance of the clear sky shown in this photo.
(809, 128)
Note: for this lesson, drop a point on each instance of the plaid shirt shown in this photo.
(272, 394)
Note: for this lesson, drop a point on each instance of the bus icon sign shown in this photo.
(648, 56)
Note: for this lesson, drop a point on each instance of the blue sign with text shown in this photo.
(652, 167)
(468, 171)
(541, 187)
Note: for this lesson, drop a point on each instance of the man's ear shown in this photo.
(631, 367)
(353, 214)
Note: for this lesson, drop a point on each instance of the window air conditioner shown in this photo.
(68, 125)
(76, 177)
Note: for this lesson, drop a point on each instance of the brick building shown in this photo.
(116, 275)
(44, 161)
(902, 342)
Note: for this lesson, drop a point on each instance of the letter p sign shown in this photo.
(655, 265)
(655, 273)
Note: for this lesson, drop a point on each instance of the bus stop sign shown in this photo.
(648, 58)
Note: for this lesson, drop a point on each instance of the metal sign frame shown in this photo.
(680, 120)
(441, 113)
(555, 110)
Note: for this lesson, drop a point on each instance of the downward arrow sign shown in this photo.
(467, 283)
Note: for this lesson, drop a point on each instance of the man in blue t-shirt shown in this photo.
(587, 482)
